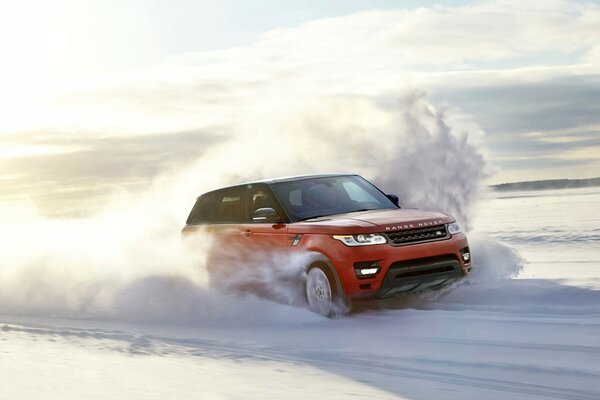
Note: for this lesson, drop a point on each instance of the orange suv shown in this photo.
(366, 245)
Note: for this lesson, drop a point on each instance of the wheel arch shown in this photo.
(319, 260)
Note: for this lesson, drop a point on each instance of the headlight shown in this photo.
(364, 239)
(454, 228)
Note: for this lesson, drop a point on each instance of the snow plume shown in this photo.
(406, 146)
(126, 261)
(494, 260)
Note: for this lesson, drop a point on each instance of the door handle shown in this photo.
(247, 232)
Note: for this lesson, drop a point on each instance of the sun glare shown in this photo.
(18, 151)
(34, 48)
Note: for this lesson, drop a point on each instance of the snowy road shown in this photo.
(404, 353)
(534, 337)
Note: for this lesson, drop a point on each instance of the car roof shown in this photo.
(283, 179)
(295, 178)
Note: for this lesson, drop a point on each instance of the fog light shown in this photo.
(366, 269)
(465, 254)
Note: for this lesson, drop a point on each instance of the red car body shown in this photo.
(414, 249)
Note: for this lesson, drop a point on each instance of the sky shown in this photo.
(98, 95)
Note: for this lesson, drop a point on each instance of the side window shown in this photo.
(261, 199)
(229, 207)
(221, 206)
(204, 210)
(260, 196)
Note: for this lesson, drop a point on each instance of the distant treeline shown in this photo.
(548, 184)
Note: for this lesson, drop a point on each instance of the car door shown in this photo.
(217, 223)
(265, 237)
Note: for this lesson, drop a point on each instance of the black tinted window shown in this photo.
(221, 206)
(261, 196)
(204, 209)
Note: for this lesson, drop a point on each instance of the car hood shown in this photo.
(374, 221)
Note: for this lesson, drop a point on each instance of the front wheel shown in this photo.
(323, 295)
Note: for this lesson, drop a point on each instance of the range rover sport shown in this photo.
(367, 246)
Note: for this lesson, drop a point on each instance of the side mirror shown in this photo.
(266, 215)
(393, 198)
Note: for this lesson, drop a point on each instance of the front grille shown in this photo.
(407, 236)
(419, 274)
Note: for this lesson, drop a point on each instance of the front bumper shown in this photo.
(403, 269)
(419, 275)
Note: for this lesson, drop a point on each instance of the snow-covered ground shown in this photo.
(490, 337)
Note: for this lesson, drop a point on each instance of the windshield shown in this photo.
(317, 197)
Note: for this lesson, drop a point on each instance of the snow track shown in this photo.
(488, 337)
(398, 354)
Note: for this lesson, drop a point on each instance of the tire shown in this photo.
(323, 293)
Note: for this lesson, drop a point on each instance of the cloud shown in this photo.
(513, 68)
(364, 53)
(96, 167)
(544, 121)
(20, 150)
(519, 107)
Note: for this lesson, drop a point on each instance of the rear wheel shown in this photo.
(320, 292)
